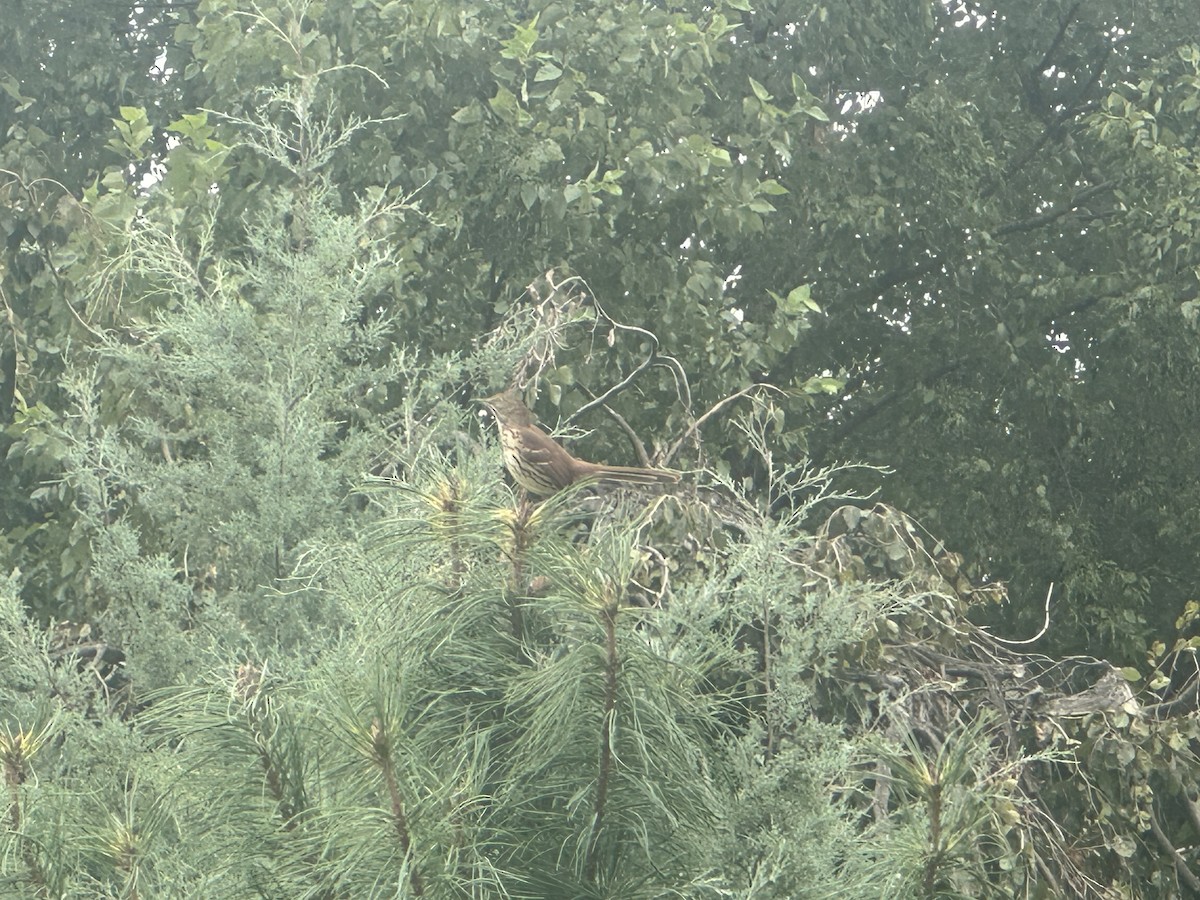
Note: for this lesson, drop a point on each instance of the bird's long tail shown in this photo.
(632, 474)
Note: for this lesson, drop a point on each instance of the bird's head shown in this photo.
(508, 407)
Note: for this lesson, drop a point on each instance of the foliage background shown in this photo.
(255, 254)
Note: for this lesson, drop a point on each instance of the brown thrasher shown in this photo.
(540, 464)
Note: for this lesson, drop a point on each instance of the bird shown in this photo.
(541, 465)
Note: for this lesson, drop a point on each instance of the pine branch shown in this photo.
(382, 748)
(612, 665)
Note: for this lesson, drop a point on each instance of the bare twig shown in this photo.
(638, 447)
(1186, 875)
(713, 410)
(1045, 625)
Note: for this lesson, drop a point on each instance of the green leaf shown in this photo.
(798, 300)
(823, 384)
(759, 91)
(799, 88)
(506, 105)
(189, 124)
(520, 45)
(1124, 846)
(471, 114)
(114, 180)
